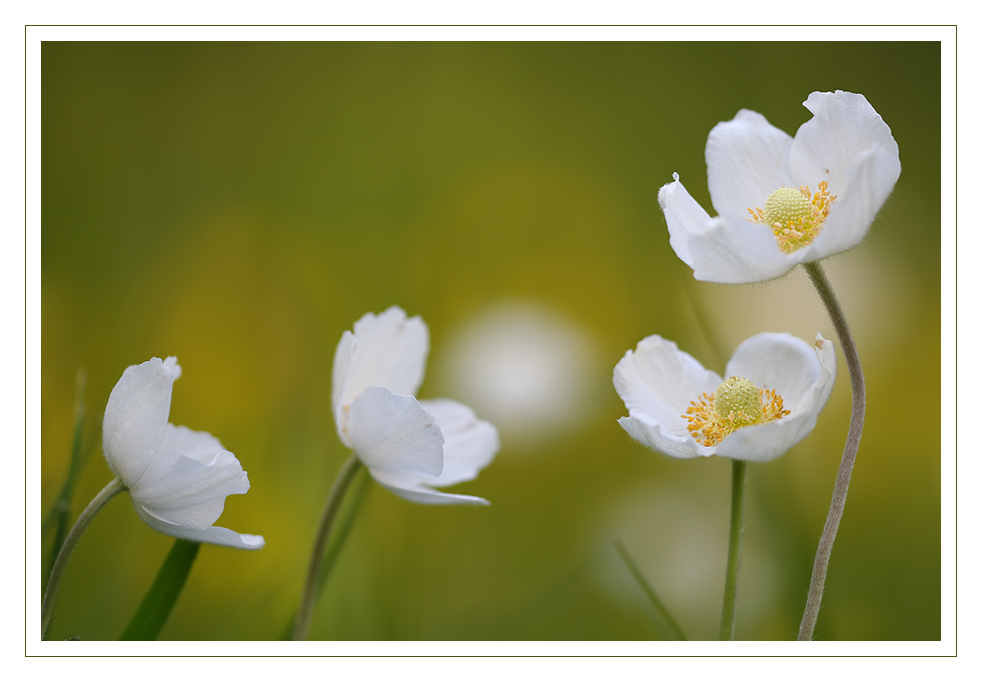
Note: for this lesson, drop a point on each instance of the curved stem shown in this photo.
(62, 511)
(728, 623)
(306, 609)
(819, 571)
(98, 502)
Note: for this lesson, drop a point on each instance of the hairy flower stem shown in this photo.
(728, 622)
(98, 502)
(306, 609)
(814, 601)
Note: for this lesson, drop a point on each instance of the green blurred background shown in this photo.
(239, 205)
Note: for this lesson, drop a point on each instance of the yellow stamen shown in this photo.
(794, 215)
(737, 402)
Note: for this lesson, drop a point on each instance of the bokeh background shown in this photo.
(239, 205)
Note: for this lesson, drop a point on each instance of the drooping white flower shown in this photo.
(780, 200)
(178, 478)
(409, 446)
(775, 387)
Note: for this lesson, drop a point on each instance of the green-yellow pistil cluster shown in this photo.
(795, 215)
(736, 402)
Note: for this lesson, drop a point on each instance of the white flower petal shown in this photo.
(667, 441)
(186, 491)
(737, 251)
(385, 350)
(852, 214)
(660, 380)
(342, 362)
(780, 362)
(765, 442)
(199, 445)
(657, 383)
(136, 414)
(684, 216)
(843, 127)
(747, 159)
(469, 443)
(419, 493)
(214, 535)
(848, 145)
(727, 249)
(393, 435)
(826, 358)
(802, 375)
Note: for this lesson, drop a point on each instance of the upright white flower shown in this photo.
(409, 446)
(776, 385)
(780, 200)
(178, 478)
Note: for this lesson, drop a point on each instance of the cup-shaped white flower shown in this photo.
(775, 387)
(408, 446)
(178, 478)
(780, 200)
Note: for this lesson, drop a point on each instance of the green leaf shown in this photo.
(152, 613)
(650, 593)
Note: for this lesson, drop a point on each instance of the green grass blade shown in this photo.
(650, 593)
(60, 514)
(152, 613)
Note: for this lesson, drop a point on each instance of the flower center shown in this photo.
(794, 215)
(736, 402)
(739, 397)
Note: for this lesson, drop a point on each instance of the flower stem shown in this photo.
(62, 511)
(98, 502)
(306, 609)
(726, 627)
(814, 600)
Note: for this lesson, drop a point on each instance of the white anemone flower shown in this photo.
(780, 200)
(178, 478)
(408, 446)
(776, 385)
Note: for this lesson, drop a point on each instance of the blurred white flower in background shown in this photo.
(878, 285)
(409, 446)
(526, 367)
(178, 478)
